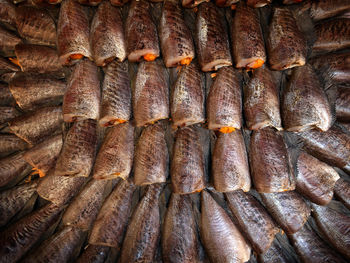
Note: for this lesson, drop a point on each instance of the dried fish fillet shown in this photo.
(8, 114)
(322, 9)
(342, 191)
(6, 66)
(258, 3)
(10, 143)
(8, 14)
(342, 104)
(8, 41)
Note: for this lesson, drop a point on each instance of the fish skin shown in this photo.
(140, 32)
(188, 164)
(72, 32)
(6, 66)
(143, 232)
(342, 104)
(35, 127)
(253, 220)
(6, 98)
(36, 25)
(8, 113)
(90, 2)
(230, 168)
(342, 191)
(94, 254)
(192, 3)
(221, 238)
(82, 97)
(13, 200)
(6, 77)
(175, 37)
(275, 254)
(112, 220)
(151, 156)
(269, 162)
(258, 3)
(224, 102)
(116, 94)
(8, 41)
(323, 9)
(151, 93)
(119, 2)
(288, 209)
(286, 45)
(115, 156)
(211, 39)
(261, 101)
(107, 35)
(78, 151)
(247, 38)
(179, 237)
(225, 3)
(17, 239)
(8, 14)
(10, 143)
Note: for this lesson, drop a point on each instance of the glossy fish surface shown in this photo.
(10, 143)
(342, 191)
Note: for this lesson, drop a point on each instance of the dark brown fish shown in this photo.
(230, 168)
(175, 37)
(188, 164)
(6, 98)
(143, 233)
(17, 239)
(213, 49)
(34, 127)
(253, 220)
(258, 3)
(82, 97)
(247, 37)
(6, 66)
(141, 33)
(286, 45)
(36, 25)
(192, 3)
(107, 35)
(151, 156)
(224, 104)
(94, 254)
(342, 104)
(275, 254)
(151, 93)
(8, 114)
(79, 150)
(288, 209)
(119, 2)
(73, 33)
(261, 100)
(342, 191)
(221, 238)
(116, 95)
(8, 14)
(187, 97)
(10, 143)
(8, 41)
(289, 2)
(6, 77)
(322, 9)
(116, 154)
(90, 2)
(112, 220)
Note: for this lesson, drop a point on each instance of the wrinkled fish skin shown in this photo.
(82, 97)
(258, 3)
(94, 254)
(8, 14)
(141, 32)
(112, 220)
(143, 231)
(286, 45)
(115, 156)
(151, 93)
(275, 254)
(253, 220)
(78, 151)
(342, 104)
(116, 95)
(323, 9)
(222, 240)
(107, 35)
(230, 168)
(224, 103)
(342, 191)
(10, 143)
(8, 41)
(187, 165)
(6, 66)
(211, 39)
(288, 209)
(187, 97)
(261, 101)
(192, 3)
(8, 113)
(269, 162)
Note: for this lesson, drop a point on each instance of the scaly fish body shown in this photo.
(342, 104)
(8, 41)
(323, 9)
(258, 3)
(275, 254)
(342, 191)
(12, 169)
(8, 114)
(10, 143)
(94, 254)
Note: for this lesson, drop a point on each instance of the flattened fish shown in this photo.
(247, 37)
(175, 37)
(8, 41)
(253, 220)
(151, 156)
(224, 104)
(12, 169)
(323, 9)
(275, 254)
(115, 156)
(222, 240)
(258, 3)
(187, 97)
(82, 97)
(107, 35)
(187, 165)
(230, 168)
(116, 95)
(261, 100)
(342, 191)
(141, 33)
(73, 33)
(10, 143)
(342, 104)
(143, 233)
(151, 93)
(8, 113)
(119, 2)
(78, 151)
(6, 97)
(211, 39)
(192, 3)
(112, 220)
(8, 14)
(286, 45)
(6, 66)
(36, 25)
(34, 127)
(94, 254)
(288, 209)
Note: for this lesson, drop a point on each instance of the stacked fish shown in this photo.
(119, 147)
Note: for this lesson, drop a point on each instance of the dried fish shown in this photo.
(323, 9)
(6, 66)
(192, 3)
(8, 41)
(342, 104)
(90, 2)
(8, 114)
(94, 254)
(342, 191)
(10, 143)
(119, 2)
(258, 3)
(8, 14)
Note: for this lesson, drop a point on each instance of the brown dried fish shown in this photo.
(342, 104)
(8, 14)
(10, 143)
(192, 3)
(6, 98)
(6, 66)
(119, 2)
(90, 2)
(322, 9)
(94, 254)
(289, 2)
(226, 3)
(8, 114)
(275, 254)
(258, 3)
(8, 41)
(342, 191)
